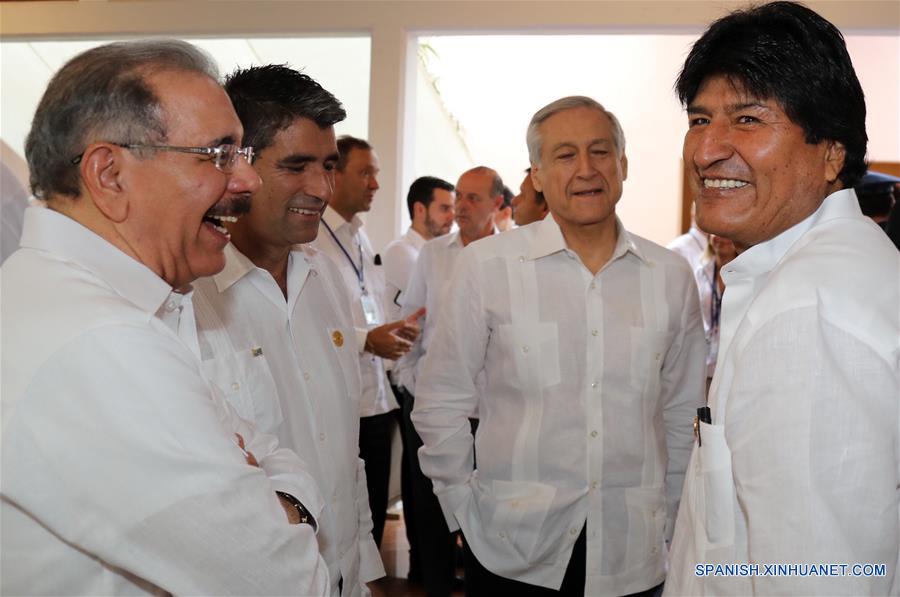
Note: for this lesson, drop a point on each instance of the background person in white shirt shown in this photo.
(272, 323)
(591, 345)
(124, 469)
(529, 205)
(479, 203)
(342, 238)
(430, 204)
(800, 463)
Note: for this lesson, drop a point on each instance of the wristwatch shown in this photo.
(305, 516)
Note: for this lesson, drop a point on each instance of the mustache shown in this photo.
(308, 202)
(237, 205)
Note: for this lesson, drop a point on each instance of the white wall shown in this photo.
(394, 25)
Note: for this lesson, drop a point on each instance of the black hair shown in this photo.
(346, 144)
(785, 51)
(270, 98)
(422, 191)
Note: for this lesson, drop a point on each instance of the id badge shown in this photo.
(370, 309)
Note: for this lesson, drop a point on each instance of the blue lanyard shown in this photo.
(360, 271)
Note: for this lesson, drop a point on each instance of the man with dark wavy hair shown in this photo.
(797, 462)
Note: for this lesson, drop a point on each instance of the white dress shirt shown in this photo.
(691, 245)
(399, 258)
(427, 285)
(291, 366)
(348, 246)
(710, 308)
(121, 471)
(800, 464)
(592, 382)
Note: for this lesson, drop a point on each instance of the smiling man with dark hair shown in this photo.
(275, 327)
(798, 462)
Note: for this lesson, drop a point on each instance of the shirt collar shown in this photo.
(414, 238)
(336, 221)
(238, 265)
(47, 230)
(549, 239)
(763, 257)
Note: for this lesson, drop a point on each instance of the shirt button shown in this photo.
(170, 306)
(521, 259)
(594, 433)
(313, 272)
(593, 286)
(321, 437)
(525, 348)
(593, 384)
(502, 535)
(594, 332)
(235, 386)
(306, 375)
(594, 485)
(654, 550)
(573, 531)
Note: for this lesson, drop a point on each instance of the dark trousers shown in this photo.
(406, 481)
(481, 582)
(375, 434)
(436, 543)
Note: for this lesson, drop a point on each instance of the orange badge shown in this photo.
(338, 338)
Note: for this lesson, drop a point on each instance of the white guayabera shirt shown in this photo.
(591, 385)
(399, 258)
(121, 470)
(800, 464)
(291, 366)
(427, 287)
(352, 253)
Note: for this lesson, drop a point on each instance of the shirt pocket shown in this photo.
(648, 353)
(646, 524)
(531, 354)
(517, 511)
(246, 382)
(718, 486)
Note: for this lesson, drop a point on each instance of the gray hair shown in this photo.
(533, 135)
(102, 94)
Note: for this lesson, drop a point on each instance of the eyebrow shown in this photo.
(598, 141)
(226, 140)
(729, 109)
(298, 159)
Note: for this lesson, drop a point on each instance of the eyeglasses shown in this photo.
(223, 156)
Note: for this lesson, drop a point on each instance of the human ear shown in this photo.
(535, 180)
(101, 174)
(835, 156)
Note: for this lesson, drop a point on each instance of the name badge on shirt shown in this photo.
(370, 308)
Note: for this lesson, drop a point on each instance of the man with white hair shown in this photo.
(124, 469)
(592, 350)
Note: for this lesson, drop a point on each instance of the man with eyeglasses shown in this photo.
(275, 325)
(124, 469)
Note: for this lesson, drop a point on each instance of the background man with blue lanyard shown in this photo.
(341, 237)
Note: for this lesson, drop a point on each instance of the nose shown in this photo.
(322, 184)
(243, 178)
(706, 145)
(373, 183)
(586, 167)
